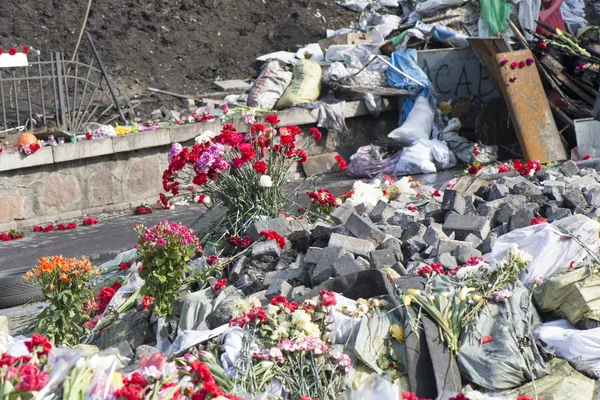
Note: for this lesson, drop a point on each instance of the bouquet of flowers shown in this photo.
(23, 377)
(165, 251)
(288, 345)
(244, 172)
(65, 285)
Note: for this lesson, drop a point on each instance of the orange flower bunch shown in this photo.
(65, 284)
(61, 273)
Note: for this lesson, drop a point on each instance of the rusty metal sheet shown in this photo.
(529, 109)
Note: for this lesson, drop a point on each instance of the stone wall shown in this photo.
(114, 174)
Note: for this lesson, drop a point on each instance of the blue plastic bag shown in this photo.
(406, 61)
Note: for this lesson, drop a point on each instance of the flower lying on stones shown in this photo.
(429, 270)
(316, 133)
(220, 285)
(538, 220)
(273, 235)
(502, 294)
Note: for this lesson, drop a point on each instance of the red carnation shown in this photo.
(12, 51)
(260, 167)
(327, 298)
(279, 300)
(272, 119)
(341, 162)
(220, 285)
(538, 220)
(148, 302)
(316, 133)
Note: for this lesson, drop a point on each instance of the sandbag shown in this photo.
(500, 364)
(418, 124)
(270, 85)
(580, 348)
(573, 295)
(563, 382)
(305, 86)
(549, 247)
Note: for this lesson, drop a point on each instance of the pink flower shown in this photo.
(504, 62)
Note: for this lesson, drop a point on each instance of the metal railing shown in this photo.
(59, 93)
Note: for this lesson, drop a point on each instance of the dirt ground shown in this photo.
(176, 45)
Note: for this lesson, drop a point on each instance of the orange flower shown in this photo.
(27, 276)
(51, 287)
(47, 267)
(63, 277)
(65, 267)
(77, 272)
(37, 272)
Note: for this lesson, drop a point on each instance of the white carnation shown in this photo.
(266, 181)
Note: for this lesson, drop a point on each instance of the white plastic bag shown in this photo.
(580, 347)
(549, 247)
(430, 7)
(425, 157)
(416, 159)
(418, 124)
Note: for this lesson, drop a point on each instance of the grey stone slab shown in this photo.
(347, 265)
(341, 214)
(453, 201)
(362, 228)
(463, 225)
(573, 198)
(313, 254)
(324, 268)
(266, 251)
(382, 212)
(358, 247)
(521, 219)
(383, 258)
(464, 253)
(447, 260)
(278, 288)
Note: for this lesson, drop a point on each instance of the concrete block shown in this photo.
(233, 85)
(16, 161)
(313, 255)
(278, 288)
(266, 251)
(462, 225)
(382, 212)
(324, 268)
(464, 253)
(383, 258)
(82, 149)
(141, 140)
(453, 201)
(347, 265)
(363, 228)
(183, 133)
(319, 164)
(358, 247)
(341, 214)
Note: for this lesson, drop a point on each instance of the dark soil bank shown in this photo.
(178, 45)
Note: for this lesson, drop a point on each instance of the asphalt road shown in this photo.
(113, 235)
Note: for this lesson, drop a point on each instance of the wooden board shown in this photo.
(525, 98)
(529, 109)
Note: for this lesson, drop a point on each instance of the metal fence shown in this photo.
(59, 93)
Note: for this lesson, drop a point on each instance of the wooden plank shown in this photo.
(556, 68)
(486, 49)
(526, 101)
